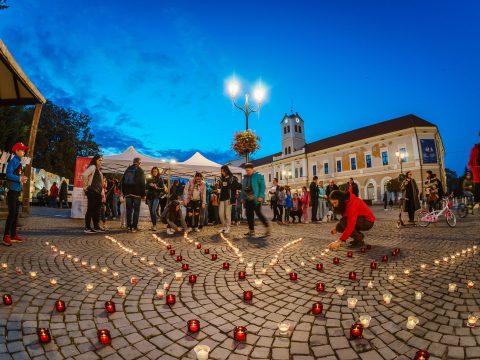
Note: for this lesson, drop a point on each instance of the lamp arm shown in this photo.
(238, 107)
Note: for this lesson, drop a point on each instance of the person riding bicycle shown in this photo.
(467, 187)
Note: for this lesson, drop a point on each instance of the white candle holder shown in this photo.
(387, 298)
(160, 270)
(160, 293)
(4, 266)
(89, 286)
(436, 262)
(178, 276)
(283, 328)
(406, 272)
(53, 282)
(418, 295)
(258, 283)
(33, 274)
(365, 320)
(370, 284)
(452, 287)
(201, 351)
(472, 320)
(423, 266)
(352, 302)
(104, 270)
(340, 290)
(166, 286)
(121, 290)
(412, 321)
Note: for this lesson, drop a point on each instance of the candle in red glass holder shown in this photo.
(170, 299)
(317, 308)
(373, 265)
(422, 355)
(320, 287)
(226, 266)
(362, 250)
(214, 257)
(293, 276)
(207, 251)
(336, 260)
(356, 331)
(248, 295)
(397, 250)
(349, 254)
(104, 337)
(319, 267)
(240, 333)
(7, 299)
(369, 247)
(192, 279)
(44, 335)
(385, 258)
(133, 280)
(393, 253)
(179, 258)
(184, 267)
(172, 252)
(169, 246)
(110, 307)
(199, 246)
(352, 275)
(60, 305)
(241, 275)
(193, 326)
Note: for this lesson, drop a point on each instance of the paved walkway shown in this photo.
(144, 327)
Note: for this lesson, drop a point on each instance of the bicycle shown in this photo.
(425, 217)
(465, 206)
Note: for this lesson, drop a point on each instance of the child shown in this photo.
(288, 205)
(174, 218)
(280, 204)
(215, 204)
(296, 208)
(305, 204)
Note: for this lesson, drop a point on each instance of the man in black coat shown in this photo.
(314, 197)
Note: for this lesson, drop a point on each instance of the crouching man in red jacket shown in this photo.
(356, 217)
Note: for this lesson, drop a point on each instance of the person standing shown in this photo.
(215, 205)
(474, 166)
(92, 186)
(467, 187)
(195, 197)
(353, 187)
(228, 188)
(115, 198)
(63, 195)
(281, 204)
(288, 205)
(330, 188)
(253, 192)
(431, 190)
(273, 198)
(305, 204)
(14, 184)
(133, 188)
(53, 195)
(322, 206)
(411, 201)
(155, 188)
(314, 198)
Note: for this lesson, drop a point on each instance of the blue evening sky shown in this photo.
(151, 73)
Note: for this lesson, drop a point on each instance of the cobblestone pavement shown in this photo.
(144, 327)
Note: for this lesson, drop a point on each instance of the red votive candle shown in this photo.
(317, 308)
(241, 275)
(199, 246)
(248, 295)
(214, 257)
(393, 253)
(362, 250)
(226, 266)
(352, 275)
(336, 260)
(133, 280)
(169, 246)
(240, 333)
(349, 254)
(179, 258)
(356, 331)
(385, 258)
(369, 247)
(172, 252)
(206, 251)
(319, 267)
(192, 279)
(184, 267)
(7, 299)
(373, 265)
(104, 337)
(293, 276)
(422, 355)
(397, 250)
(60, 305)
(110, 307)
(193, 326)
(170, 299)
(320, 287)
(44, 335)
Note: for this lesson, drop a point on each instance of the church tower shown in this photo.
(293, 133)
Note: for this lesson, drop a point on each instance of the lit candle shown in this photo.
(422, 355)
(115, 274)
(418, 295)
(302, 263)
(293, 276)
(385, 258)
(166, 286)
(179, 258)
(340, 290)
(472, 320)
(178, 276)
(172, 252)
(373, 265)
(133, 280)
(391, 277)
(445, 259)
(336, 260)
(93, 267)
(436, 262)
(423, 266)
(169, 246)
(452, 287)
(248, 295)
(44, 335)
(288, 270)
(76, 259)
(104, 270)
(264, 271)
(365, 320)
(412, 321)
(4, 266)
(104, 337)
(62, 253)
(18, 270)
(60, 306)
(387, 298)
(352, 302)
(470, 284)
(7, 299)
(185, 267)
(171, 299)
(241, 275)
(160, 293)
(356, 331)
(192, 279)
(349, 254)
(121, 290)
(241, 260)
(469, 249)
(84, 263)
(193, 326)
(240, 333)
(370, 284)
(226, 266)
(320, 287)
(202, 352)
(53, 282)
(258, 282)
(352, 275)
(406, 272)
(110, 307)
(160, 270)
(199, 246)
(319, 267)
(283, 328)
(362, 250)
(143, 258)
(207, 251)
(69, 256)
(89, 286)
(33, 274)
(151, 263)
(317, 308)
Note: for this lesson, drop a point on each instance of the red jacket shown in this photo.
(473, 163)
(355, 207)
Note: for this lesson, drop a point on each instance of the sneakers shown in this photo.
(134, 230)
(189, 229)
(154, 228)
(16, 238)
(129, 229)
(196, 229)
(227, 230)
(170, 231)
(222, 230)
(102, 230)
(7, 241)
(250, 233)
(89, 231)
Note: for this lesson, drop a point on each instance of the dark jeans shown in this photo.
(152, 206)
(193, 213)
(410, 207)
(94, 204)
(314, 208)
(275, 209)
(253, 209)
(216, 218)
(133, 211)
(13, 209)
(362, 225)
(294, 213)
(287, 214)
(476, 192)
(280, 212)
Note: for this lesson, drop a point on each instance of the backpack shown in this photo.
(129, 176)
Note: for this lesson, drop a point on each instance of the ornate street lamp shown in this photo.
(287, 175)
(401, 155)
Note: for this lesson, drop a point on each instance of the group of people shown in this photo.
(55, 197)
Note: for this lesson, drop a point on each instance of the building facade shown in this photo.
(369, 155)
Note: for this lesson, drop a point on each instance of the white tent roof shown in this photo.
(198, 159)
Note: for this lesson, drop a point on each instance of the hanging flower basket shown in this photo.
(245, 142)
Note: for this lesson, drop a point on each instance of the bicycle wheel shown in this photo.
(462, 210)
(450, 218)
(420, 215)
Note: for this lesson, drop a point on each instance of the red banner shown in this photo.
(80, 166)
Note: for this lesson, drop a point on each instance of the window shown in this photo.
(288, 128)
(353, 162)
(403, 150)
(385, 157)
(368, 160)
(296, 129)
(276, 174)
(325, 168)
(269, 178)
(289, 149)
(339, 165)
(285, 130)
(286, 151)
(299, 129)
(281, 175)
(301, 172)
(314, 170)
(296, 172)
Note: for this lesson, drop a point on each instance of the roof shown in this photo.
(15, 87)
(381, 128)
(200, 160)
(291, 116)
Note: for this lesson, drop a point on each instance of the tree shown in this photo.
(3, 4)
(394, 185)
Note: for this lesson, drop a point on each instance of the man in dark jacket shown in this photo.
(133, 189)
(63, 196)
(353, 187)
(314, 197)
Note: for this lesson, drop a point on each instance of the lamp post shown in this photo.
(286, 174)
(401, 158)
(259, 93)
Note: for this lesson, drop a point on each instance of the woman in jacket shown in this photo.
(305, 204)
(288, 205)
(93, 187)
(411, 201)
(228, 188)
(155, 188)
(194, 196)
(174, 218)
